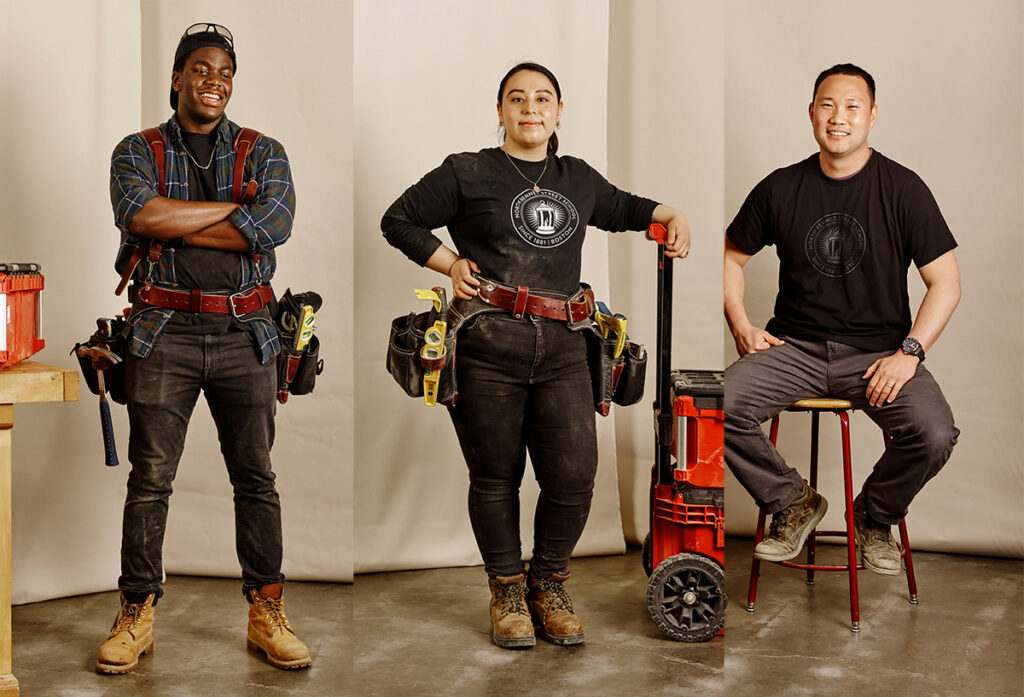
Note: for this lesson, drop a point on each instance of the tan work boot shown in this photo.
(551, 608)
(130, 637)
(511, 627)
(791, 526)
(879, 552)
(270, 632)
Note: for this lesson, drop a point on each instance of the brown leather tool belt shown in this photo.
(520, 301)
(195, 300)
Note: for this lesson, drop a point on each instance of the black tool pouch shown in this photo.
(111, 338)
(296, 368)
(619, 380)
(404, 362)
(310, 365)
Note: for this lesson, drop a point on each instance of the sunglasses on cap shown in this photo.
(210, 28)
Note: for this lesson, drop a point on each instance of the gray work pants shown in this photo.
(760, 385)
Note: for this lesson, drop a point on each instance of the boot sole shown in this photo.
(294, 664)
(117, 669)
(811, 524)
(524, 642)
(559, 639)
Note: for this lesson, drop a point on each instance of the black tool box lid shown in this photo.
(707, 387)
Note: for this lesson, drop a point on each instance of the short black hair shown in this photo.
(846, 69)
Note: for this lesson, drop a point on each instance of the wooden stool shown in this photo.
(841, 407)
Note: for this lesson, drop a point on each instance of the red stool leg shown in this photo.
(814, 485)
(911, 580)
(851, 538)
(905, 541)
(755, 565)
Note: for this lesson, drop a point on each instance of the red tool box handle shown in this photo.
(657, 232)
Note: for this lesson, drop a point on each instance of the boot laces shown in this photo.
(555, 596)
(129, 617)
(512, 597)
(780, 521)
(273, 610)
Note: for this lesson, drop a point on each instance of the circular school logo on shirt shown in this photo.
(835, 244)
(544, 218)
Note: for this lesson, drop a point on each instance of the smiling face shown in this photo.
(529, 110)
(842, 115)
(204, 87)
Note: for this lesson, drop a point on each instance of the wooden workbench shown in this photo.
(27, 381)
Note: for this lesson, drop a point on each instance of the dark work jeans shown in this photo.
(524, 387)
(162, 391)
(760, 385)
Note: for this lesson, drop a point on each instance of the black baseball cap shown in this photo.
(200, 35)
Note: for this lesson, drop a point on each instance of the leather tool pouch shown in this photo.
(404, 362)
(310, 365)
(297, 368)
(110, 337)
(619, 380)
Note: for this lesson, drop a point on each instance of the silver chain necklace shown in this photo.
(536, 188)
(196, 162)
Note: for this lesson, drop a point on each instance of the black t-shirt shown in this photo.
(196, 267)
(517, 236)
(844, 246)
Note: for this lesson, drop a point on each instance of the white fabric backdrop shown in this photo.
(72, 89)
(949, 90)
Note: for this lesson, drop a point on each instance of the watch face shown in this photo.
(911, 347)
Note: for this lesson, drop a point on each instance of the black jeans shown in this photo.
(162, 391)
(524, 387)
(760, 385)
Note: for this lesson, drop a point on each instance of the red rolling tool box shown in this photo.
(684, 553)
(21, 315)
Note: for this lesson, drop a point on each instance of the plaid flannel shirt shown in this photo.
(265, 222)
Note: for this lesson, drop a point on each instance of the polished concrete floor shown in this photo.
(965, 638)
(427, 633)
(199, 644)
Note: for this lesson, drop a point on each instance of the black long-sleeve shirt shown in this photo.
(516, 235)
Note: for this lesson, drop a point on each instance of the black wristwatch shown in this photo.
(912, 347)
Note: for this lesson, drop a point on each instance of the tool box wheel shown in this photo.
(686, 597)
(645, 555)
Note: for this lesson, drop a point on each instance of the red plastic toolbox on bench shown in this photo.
(21, 312)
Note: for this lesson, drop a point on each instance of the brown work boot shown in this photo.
(551, 608)
(879, 552)
(791, 526)
(270, 632)
(130, 637)
(511, 627)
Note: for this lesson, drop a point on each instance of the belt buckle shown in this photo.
(240, 295)
(580, 296)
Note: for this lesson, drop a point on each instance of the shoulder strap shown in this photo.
(155, 139)
(156, 144)
(245, 141)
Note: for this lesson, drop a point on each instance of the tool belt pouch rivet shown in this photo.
(615, 379)
(108, 338)
(405, 364)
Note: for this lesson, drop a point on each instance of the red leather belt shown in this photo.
(521, 302)
(195, 300)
